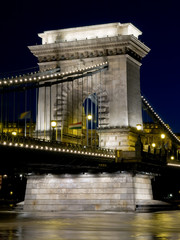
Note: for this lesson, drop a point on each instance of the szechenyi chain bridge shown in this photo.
(76, 129)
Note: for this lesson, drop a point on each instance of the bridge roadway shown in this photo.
(36, 156)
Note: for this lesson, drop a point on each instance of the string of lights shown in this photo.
(34, 78)
(48, 147)
(159, 119)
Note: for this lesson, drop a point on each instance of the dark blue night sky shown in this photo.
(159, 20)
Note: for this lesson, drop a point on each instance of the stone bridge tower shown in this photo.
(119, 87)
(116, 43)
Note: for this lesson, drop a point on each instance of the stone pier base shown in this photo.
(86, 192)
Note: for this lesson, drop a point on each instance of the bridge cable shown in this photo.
(91, 114)
(40, 116)
(96, 120)
(45, 112)
(156, 117)
(72, 106)
(55, 114)
(77, 109)
(18, 112)
(67, 117)
(82, 111)
(87, 111)
(1, 115)
(61, 115)
(32, 113)
(6, 111)
(50, 112)
(100, 112)
(14, 102)
(37, 115)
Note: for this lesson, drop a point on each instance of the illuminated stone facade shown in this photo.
(87, 192)
(119, 86)
(152, 135)
(119, 111)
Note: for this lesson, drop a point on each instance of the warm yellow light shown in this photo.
(138, 127)
(11, 193)
(89, 117)
(53, 124)
(163, 136)
(172, 157)
(14, 133)
(153, 145)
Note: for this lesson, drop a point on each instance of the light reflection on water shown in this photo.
(90, 226)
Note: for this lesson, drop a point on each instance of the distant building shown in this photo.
(18, 128)
(152, 139)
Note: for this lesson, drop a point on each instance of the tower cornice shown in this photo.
(117, 45)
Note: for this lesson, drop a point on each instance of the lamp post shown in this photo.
(163, 136)
(89, 118)
(154, 147)
(14, 134)
(53, 125)
(138, 145)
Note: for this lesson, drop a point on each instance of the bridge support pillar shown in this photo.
(86, 192)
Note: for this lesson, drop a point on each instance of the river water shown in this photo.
(90, 226)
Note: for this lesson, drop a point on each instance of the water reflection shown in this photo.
(90, 226)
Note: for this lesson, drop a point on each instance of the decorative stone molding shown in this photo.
(117, 45)
(89, 32)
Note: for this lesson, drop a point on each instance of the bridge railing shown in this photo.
(43, 144)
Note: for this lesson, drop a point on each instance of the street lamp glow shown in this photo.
(153, 145)
(53, 124)
(172, 157)
(138, 127)
(14, 133)
(89, 117)
(163, 136)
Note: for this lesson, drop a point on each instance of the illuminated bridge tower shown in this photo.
(119, 111)
(117, 88)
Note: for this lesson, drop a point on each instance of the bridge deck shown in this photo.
(50, 157)
(27, 155)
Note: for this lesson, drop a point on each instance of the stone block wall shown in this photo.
(119, 138)
(142, 188)
(86, 192)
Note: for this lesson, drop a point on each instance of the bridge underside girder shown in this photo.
(27, 161)
(37, 161)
